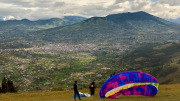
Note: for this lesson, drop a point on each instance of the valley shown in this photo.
(90, 49)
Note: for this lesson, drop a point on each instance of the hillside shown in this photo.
(45, 68)
(165, 93)
(162, 61)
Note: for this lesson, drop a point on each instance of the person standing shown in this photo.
(92, 88)
(76, 91)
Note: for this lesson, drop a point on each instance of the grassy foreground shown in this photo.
(169, 92)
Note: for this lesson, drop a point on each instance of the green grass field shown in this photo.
(169, 92)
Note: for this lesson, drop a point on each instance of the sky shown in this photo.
(45, 9)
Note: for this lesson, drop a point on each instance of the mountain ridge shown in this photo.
(12, 32)
(177, 21)
(42, 22)
(105, 27)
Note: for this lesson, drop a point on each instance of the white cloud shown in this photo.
(8, 18)
(161, 8)
(43, 9)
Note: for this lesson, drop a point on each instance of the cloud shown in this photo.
(58, 4)
(44, 9)
(163, 9)
(8, 18)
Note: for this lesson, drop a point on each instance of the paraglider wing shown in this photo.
(130, 83)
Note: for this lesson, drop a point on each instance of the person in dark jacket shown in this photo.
(92, 88)
(76, 91)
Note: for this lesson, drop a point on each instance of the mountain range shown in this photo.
(129, 28)
(174, 20)
(11, 31)
(86, 50)
(138, 27)
(39, 24)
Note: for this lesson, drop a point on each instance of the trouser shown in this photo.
(92, 92)
(76, 92)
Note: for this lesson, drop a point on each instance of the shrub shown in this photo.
(8, 86)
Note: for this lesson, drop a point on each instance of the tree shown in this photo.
(7, 86)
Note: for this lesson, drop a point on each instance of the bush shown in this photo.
(57, 89)
(8, 86)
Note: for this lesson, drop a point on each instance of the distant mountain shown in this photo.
(12, 31)
(39, 24)
(174, 20)
(1, 19)
(138, 27)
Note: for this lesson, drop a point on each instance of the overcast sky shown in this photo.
(44, 9)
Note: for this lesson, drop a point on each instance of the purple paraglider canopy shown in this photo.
(130, 83)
